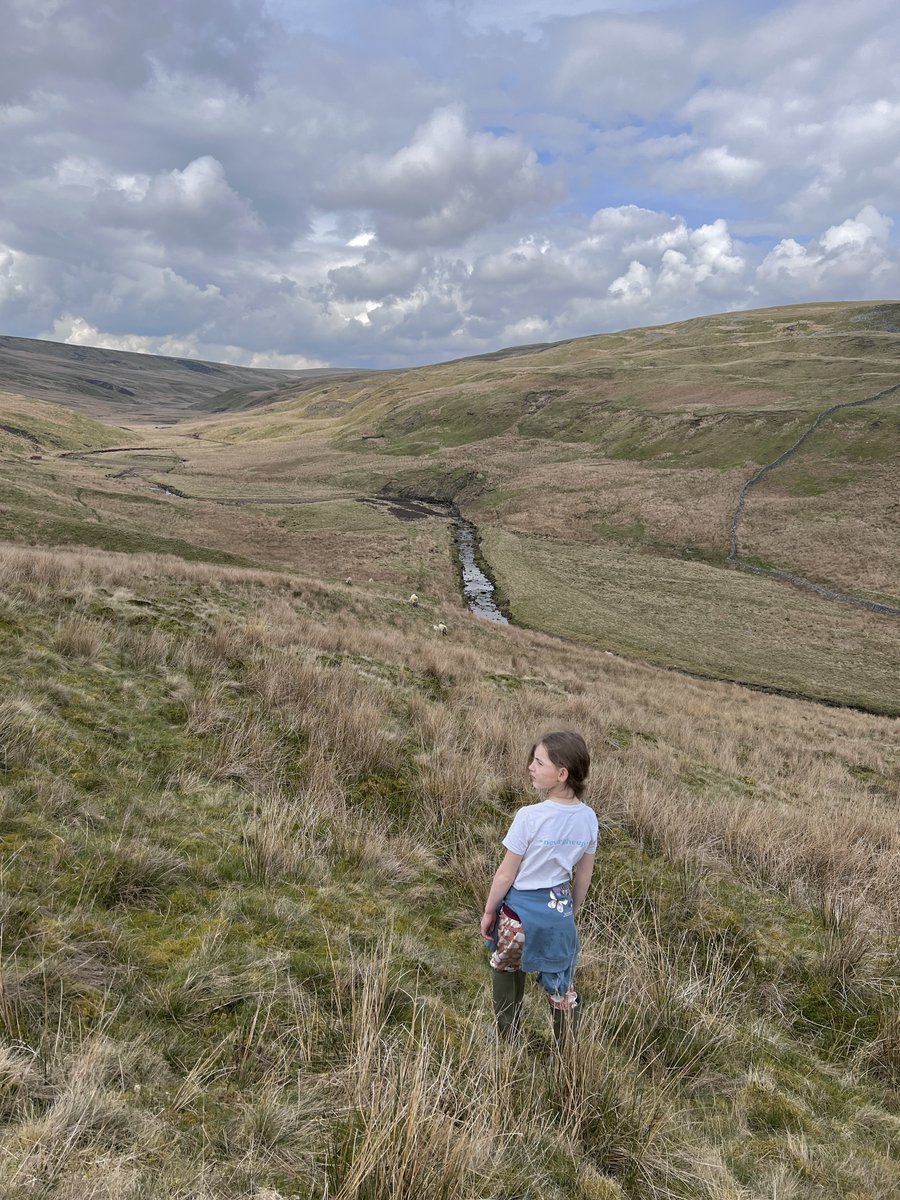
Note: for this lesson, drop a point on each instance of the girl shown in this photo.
(529, 914)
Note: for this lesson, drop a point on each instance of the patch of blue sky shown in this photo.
(620, 189)
(386, 28)
(313, 16)
(529, 16)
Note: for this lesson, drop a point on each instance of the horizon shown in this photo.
(443, 362)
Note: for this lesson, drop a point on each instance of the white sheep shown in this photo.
(348, 581)
(441, 628)
(414, 600)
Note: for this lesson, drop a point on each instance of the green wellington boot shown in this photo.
(509, 990)
(565, 1024)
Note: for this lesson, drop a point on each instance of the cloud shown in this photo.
(27, 293)
(852, 258)
(586, 65)
(51, 43)
(714, 169)
(384, 183)
(379, 274)
(194, 205)
(445, 184)
(520, 264)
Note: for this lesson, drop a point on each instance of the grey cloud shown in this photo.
(194, 205)
(29, 295)
(433, 318)
(49, 42)
(380, 274)
(445, 184)
(588, 71)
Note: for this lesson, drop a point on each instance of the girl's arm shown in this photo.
(503, 881)
(584, 868)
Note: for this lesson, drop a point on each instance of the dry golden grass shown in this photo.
(592, 499)
(694, 615)
(22, 730)
(81, 637)
(846, 537)
(710, 771)
(340, 774)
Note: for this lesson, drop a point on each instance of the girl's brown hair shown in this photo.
(567, 749)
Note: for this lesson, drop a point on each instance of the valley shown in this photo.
(251, 796)
(603, 476)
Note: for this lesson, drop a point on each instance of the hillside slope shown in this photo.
(251, 798)
(115, 385)
(247, 821)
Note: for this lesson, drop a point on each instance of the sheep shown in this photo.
(414, 600)
(441, 628)
(348, 581)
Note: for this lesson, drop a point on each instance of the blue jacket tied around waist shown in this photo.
(551, 939)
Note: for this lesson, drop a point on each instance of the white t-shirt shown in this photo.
(552, 837)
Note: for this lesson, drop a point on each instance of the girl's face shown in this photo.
(545, 775)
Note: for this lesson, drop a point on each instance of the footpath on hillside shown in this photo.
(786, 576)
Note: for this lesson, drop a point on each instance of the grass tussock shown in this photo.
(78, 636)
(21, 731)
(247, 824)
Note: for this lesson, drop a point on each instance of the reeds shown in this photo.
(239, 900)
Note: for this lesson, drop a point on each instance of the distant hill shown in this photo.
(115, 385)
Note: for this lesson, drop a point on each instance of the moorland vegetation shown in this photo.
(247, 824)
(249, 810)
(611, 465)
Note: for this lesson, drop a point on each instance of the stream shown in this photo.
(478, 590)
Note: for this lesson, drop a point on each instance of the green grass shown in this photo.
(29, 427)
(348, 516)
(653, 607)
(30, 527)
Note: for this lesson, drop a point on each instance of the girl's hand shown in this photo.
(487, 924)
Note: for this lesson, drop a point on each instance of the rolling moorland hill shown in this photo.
(116, 384)
(603, 475)
(251, 798)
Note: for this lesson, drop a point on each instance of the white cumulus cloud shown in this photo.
(851, 258)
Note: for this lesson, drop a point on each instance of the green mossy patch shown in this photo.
(33, 527)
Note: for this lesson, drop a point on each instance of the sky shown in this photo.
(298, 183)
